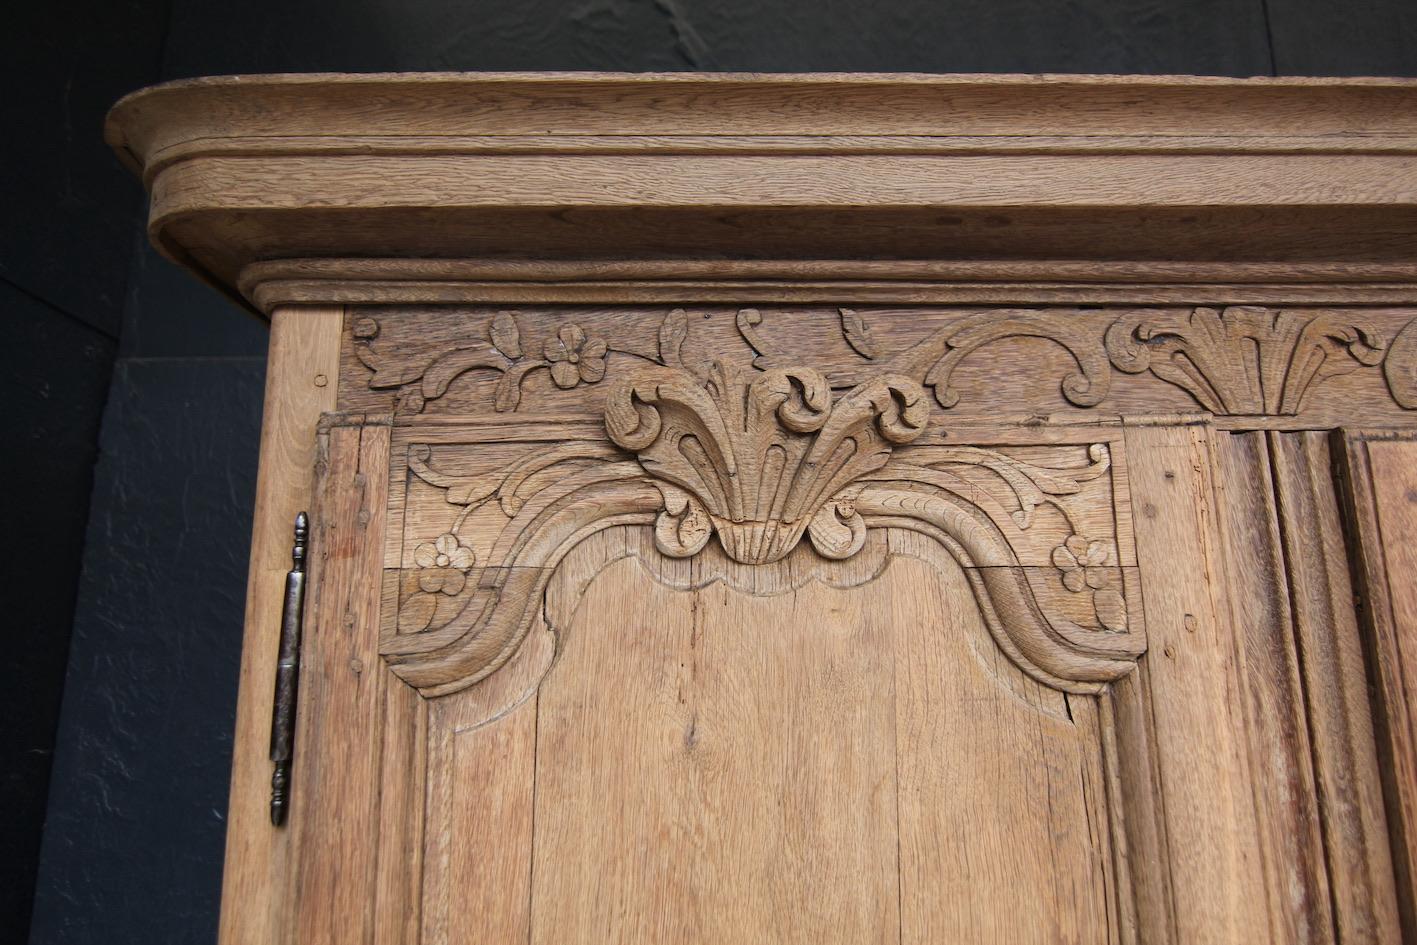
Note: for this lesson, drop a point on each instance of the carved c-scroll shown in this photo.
(487, 630)
(759, 461)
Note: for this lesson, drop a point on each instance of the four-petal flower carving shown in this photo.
(575, 357)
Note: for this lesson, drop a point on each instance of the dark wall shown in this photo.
(134, 394)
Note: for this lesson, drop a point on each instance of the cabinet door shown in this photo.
(744, 664)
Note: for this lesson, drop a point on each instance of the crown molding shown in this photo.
(250, 174)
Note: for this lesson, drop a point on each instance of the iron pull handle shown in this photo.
(288, 674)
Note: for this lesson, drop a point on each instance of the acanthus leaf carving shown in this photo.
(761, 456)
(1244, 359)
(857, 332)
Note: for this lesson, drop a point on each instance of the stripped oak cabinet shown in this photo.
(836, 508)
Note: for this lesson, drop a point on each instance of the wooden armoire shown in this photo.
(817, 509)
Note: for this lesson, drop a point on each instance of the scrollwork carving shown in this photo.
(1400, 366)
(1232, 361)
(760, 460)
(570, 355)
(1086, 387)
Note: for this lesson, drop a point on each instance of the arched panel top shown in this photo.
(759, 463)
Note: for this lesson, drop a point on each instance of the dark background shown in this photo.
(132, 395)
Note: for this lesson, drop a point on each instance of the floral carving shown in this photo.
(574, 357)
(1244, 359)
(1086, 566)
(442, 569)
(444, 563)
(570, 355)
(761, 458)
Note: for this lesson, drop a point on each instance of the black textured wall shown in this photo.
(114, 357)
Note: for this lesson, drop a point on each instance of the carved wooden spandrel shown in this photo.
(770, 480)
(1323, 365)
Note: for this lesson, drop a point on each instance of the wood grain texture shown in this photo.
(905, 281)
(1277, 744)
(1195, 671)
(838, 181)
(338, 776)
(1330, 651)
(1381, 494)
(301, 381)
(765, 780)
(771, 167)
(477, 856)
(151, 123)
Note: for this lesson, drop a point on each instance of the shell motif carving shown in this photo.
(761, 460)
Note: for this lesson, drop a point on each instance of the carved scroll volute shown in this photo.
(761, 461)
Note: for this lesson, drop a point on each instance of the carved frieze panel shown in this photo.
(764, 480)
(1324, 364)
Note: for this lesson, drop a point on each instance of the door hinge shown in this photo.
(288, 674)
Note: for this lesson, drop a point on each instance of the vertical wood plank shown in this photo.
(400, 824)
(1194, 671)
(1278, 749)
(1349, 788)
(1380, 484)
(1146, 909)
(341, 730)
(302, 369)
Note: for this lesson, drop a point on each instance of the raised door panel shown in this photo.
(719, 765)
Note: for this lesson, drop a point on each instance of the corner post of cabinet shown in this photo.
(302, 372)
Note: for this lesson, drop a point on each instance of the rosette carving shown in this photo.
(761, 460)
